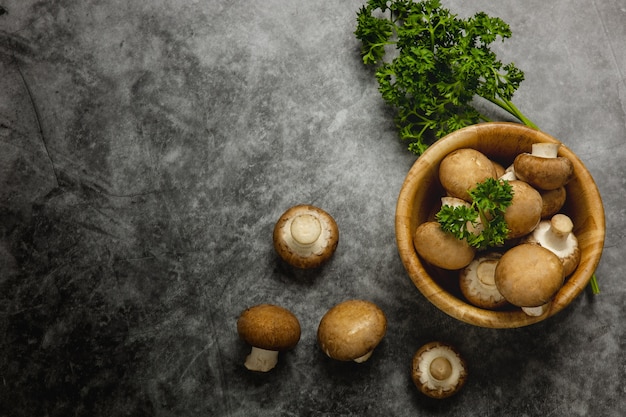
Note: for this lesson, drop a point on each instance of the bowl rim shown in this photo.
(428, 162)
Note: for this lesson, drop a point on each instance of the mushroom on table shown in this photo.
(305, 236)
(268, 328)
(351, 330)
(438, 370)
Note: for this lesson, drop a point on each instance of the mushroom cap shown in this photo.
(269, 327)
(438, 370)
(477, 281)
(553, 201)
(462, 169)
(351, 329)
(305, 236)
(440, 248)
(543, 173)
(500, 169)
(529, 275)
(524, 213)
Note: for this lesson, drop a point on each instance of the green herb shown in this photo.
(593, 282)
(440, 64)
(490, 199)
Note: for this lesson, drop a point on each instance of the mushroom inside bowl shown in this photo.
(420, 198)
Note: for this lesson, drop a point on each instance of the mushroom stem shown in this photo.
(441, 368)
(365, 357)
(305, 236)
(509, 173)
(508, 176)
(536, 311)
(485, 271)
(560, 226)
(261, 360)
(305, 229)
(556, 235)
(438, 370)
(545, 150)
(453, 201)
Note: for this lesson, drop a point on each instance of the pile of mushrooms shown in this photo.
(541, 250)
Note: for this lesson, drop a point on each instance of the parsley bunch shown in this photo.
(490, 199)
(441, 62)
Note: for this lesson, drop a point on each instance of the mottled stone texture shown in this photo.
(146, 149)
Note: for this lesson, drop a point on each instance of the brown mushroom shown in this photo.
(477, 281)
(553, 201)
(351, 330)
(543, 168)
(440, 248)
(438, 370)
(524, 213)
(557, 235)
(500, 170)
(305, 236)
(529, 275)
(462, 169)
(268, 329)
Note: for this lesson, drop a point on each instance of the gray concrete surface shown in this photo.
(148, 147)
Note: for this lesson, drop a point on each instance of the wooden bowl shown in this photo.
(420, 197)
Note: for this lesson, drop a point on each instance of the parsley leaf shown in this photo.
(440, 64)
(490, 200)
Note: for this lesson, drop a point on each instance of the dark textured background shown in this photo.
(148, 147)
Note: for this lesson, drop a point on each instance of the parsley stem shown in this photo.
(521, 116)
(510, 108)
(595, 288)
